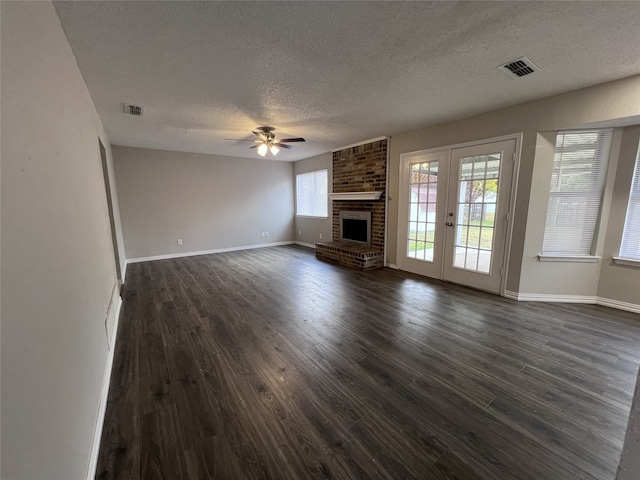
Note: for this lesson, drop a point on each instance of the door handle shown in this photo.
(449, 224)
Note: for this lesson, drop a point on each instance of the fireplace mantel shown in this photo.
(347, 196)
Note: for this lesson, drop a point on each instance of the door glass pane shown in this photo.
(411, 248)
(461, 235)
(493, 166)
(466, 169)
(422, 232)
(478, 194)
(415, 173)
(431, 228)
(484, 261)
(472, 259)
(463, 212)
(422, 210)
(413, 228)
(473, 238)
(466, 189)
(431, 212)
(460, 257)
(479, 168)
(486, 238)
(489, 214)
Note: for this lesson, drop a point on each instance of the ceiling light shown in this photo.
(267, 141)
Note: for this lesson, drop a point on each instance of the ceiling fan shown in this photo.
(268, 142)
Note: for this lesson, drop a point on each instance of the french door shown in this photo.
(453, 213)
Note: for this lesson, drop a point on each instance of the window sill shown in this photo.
(569, 258)
(629, 262)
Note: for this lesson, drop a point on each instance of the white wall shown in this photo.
(210, 202)
(606, 102)
(58, 269)
(308, 230)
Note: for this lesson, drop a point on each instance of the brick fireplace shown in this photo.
(362, 168)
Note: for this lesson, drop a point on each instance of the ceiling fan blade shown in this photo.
(282, 145)
(255, 146)
(258, 134)
(299, 139)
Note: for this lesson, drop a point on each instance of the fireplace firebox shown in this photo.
(355, 227)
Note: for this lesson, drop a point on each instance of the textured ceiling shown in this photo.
(336, 73)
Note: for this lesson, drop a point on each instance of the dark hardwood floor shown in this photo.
(270, 364)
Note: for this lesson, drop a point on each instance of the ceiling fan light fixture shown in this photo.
(267, 141)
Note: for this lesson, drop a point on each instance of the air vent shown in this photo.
(133, 110)
(519, 68)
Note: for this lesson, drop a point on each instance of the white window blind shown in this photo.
(630, 247)
(575, 197)
(311, 194)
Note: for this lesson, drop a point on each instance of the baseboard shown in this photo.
(629, 307)
(510, 294)
(392, 265)
(545, 297)
(124, 271)
(308, 245)
(206, 252)
(587, 299)
(104, 394)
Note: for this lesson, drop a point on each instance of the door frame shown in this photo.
(403, 192)
(112, 222)
(441, 155)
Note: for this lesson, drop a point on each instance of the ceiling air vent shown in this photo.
(133, 110)
(519, 68)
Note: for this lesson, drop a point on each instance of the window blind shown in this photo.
(311, 194)
(575, 197)
(630, 247)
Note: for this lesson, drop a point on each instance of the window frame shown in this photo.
(633, 208)
(585, 198)
(316, 194)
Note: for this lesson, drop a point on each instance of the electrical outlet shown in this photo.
(320, 236)
(262, 234)
(179, 241)
(299, 232)
(266, 234)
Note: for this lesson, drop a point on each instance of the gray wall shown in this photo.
(526, 274)
(620, 281)
(58, 268)
(308, 230)
(210, 202)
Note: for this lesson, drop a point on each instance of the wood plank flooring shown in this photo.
(268, 364)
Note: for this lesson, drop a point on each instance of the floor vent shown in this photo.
(519, 67)
(133, 110)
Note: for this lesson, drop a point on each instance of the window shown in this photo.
(630, 248)
(311, 194)
(575, 197)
